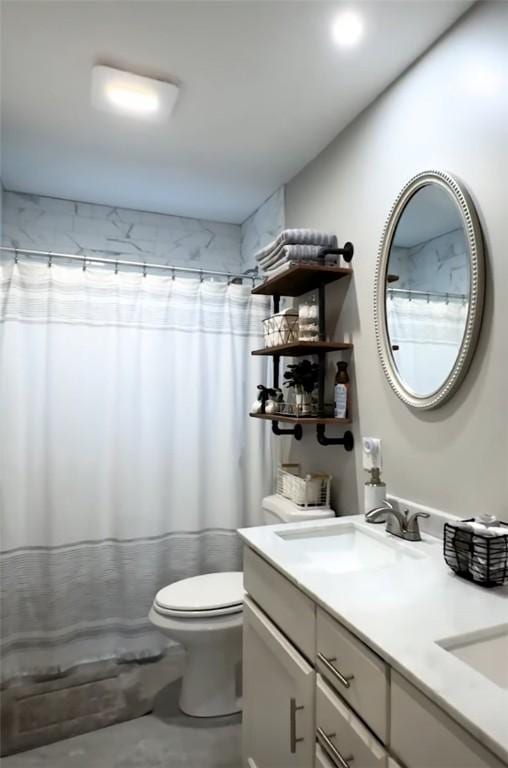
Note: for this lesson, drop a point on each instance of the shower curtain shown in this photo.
(429, 334)
(127, 458)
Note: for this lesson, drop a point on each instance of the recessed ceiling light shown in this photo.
(124, 93)
(347, 29)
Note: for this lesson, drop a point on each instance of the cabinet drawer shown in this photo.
(338, 728)
(291, 610)
(355, 672)
(423, 736)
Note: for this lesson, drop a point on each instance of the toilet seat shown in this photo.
(212, 594)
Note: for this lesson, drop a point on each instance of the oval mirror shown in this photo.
(429, 289)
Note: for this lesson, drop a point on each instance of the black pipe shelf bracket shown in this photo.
(347, 440)
(296, 431)
(347, 251)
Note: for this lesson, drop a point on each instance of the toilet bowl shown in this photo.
(204, 614)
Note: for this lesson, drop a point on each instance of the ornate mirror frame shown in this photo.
(476, 290)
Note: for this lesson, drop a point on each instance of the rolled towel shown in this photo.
(298, 237)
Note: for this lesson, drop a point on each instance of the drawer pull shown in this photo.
(293, 739)
(345, 681)
(331, 750)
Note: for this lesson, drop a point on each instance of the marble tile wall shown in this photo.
(46, 223)
(440, 264)
(262, 227)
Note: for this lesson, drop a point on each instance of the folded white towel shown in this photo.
(283, 266)
(288, 252)
(298, 237)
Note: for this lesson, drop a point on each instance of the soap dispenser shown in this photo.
(375, 488)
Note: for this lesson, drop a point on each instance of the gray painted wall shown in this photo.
(450, 112)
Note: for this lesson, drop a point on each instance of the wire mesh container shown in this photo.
(295, 409)
(281, 328)
(476, 556)
(311, 490)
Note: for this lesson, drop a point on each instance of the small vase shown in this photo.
(303, 403)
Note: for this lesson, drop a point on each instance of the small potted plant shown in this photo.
(302, 377)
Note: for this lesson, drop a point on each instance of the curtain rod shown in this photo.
(144, 265)
(412, 292)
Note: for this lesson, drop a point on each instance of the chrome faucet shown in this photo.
(400, 524)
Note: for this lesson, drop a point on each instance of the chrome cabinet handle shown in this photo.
(293, 739)
(331, 750)
(346, 681)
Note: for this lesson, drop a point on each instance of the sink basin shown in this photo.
(344, 549)
(485, 651)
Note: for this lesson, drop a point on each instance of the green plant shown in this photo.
(303, 376)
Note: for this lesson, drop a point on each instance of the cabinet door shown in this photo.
(278, 697)
(423, 736)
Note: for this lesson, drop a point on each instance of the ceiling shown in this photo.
(263, 90)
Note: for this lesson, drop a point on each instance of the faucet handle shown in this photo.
(416, 515)
(412, 526)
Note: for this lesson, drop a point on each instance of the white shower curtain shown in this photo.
(127, 458)
(429, 335)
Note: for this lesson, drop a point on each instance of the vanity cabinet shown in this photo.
(423, 736)
(278, 688)
(315, 696)
(358, 674)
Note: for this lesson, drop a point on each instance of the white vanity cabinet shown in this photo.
(315, 696)
(423, 736)
(278, 695)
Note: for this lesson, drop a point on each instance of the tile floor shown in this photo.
(164, 739)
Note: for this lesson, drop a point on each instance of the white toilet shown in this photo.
(204, 614)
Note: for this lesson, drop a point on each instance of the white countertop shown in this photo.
(402, 611)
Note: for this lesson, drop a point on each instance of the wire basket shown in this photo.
(294, 409)
(477, 556)
(312, 490)
(281, 328)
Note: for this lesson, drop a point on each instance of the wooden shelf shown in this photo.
(299, 419)
(300, 279)
(299, 348)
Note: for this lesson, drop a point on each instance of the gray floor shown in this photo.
(164, 739)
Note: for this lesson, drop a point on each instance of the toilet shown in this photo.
(204, 614)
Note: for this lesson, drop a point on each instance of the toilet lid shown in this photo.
(210, 592)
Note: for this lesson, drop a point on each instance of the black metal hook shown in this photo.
(347, 440)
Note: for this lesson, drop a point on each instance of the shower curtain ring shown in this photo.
(15, 256)
(116, 267)
(144, 270)
(50, 261)
(201, 277)
(173, 274)
(447, 298)
(84, 264)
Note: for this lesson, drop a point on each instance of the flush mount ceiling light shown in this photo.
(124, 93)
(347, 29)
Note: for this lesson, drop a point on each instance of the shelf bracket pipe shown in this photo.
(296, 431)
(347, 440)
(346, 251)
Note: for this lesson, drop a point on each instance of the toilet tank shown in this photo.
(277, 509)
